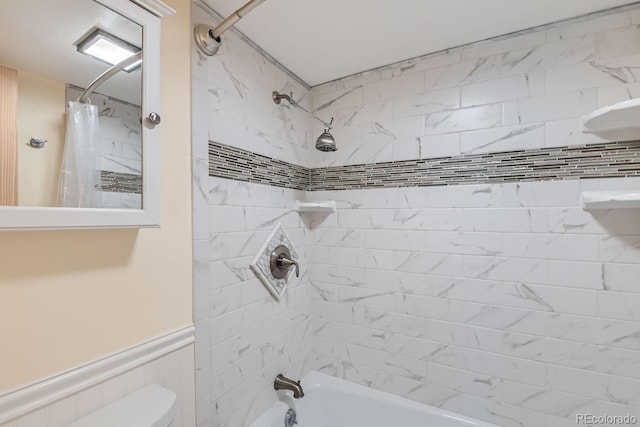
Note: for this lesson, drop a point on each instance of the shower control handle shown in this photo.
(287, 263)
(281, 262)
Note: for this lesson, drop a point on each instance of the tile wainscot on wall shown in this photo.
(501, 300)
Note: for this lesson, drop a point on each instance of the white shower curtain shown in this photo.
(80, 173)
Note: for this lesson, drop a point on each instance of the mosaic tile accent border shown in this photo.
(605, 160)
(242, 165)
(118, 182)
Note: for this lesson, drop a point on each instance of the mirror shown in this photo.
(50, 53)
(71, 164)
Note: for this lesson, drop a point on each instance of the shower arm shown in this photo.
(233, 18)
(277, 97)
(84, 98)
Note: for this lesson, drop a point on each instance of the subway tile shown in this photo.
(430, 102)
(406, 149)
(554, 106)
(504, 220)
(365, 218)
(463, 289)
(547, 401)
(397, 240)
(506, 269)
(465, 119)
(506, 138)
(588, 26)
(464, 335)
(551, 246)
(621, 277)
(428, 219)
(558, 352)
(551, 298)
(617, 361)
(461, 242)
(617, 333)
(530, 372)
(619, 305)
(610, 95)
(619, 248)
(549, 55)
(506, 44)
(476, 70)
(410, 84)
(572, 327)
(499, 317)
(493, 91)
(422, 306)
(364, 114)
(464, 381)
(593, 74)
(619, 42)
(445, 145)
(585, 275)
(592, 384)
(428, 263)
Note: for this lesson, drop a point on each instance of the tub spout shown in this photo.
(283, 383)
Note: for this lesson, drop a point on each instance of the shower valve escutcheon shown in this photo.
(281, 262)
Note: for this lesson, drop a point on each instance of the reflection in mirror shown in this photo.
(90, 154)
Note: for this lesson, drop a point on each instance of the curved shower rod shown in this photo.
(277, 97)
(84, 98)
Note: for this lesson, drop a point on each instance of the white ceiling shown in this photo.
(39, 36)
(321, 40)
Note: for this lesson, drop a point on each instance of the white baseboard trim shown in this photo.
(21, 401)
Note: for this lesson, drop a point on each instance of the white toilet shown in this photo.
(152, 406)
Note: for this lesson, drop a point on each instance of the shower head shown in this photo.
(325, 141)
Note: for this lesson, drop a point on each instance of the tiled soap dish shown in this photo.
(261, 264)
(328, 206)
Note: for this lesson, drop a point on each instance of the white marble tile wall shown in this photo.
(508, 303)
(235, 88)
(504, 302)
(244, 337)
(520, 92)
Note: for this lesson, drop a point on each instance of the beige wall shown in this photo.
(68, 297)
(38, 170)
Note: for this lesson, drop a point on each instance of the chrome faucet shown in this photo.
(283, 383)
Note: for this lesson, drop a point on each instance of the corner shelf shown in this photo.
(327, 206)
(621, 117)
(610, 200)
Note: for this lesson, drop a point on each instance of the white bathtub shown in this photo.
(332, 402)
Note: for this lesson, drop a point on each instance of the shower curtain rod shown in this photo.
(84, 98)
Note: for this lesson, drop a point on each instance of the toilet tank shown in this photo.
(152, 406)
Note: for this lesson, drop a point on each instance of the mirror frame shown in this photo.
(148, 14)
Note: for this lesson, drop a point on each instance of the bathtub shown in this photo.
(332, 402)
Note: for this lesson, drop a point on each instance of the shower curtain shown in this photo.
(79, 184)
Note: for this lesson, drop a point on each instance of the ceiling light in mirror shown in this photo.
(108, 48)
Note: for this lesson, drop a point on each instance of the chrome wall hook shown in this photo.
(37, 142)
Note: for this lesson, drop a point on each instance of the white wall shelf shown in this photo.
(326, 206)
(622, 118)
(610, 200)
